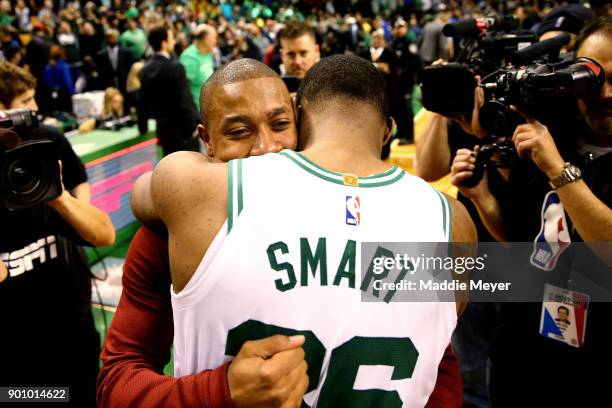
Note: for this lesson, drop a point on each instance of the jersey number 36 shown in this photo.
(345, 360)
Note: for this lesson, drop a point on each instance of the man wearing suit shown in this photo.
(386, 61)
(114, 62)
(165, 96)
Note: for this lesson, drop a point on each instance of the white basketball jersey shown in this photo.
(287, 261)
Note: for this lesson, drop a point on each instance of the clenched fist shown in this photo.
(269, 373)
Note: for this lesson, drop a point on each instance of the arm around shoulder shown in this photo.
(464, 232)
(178, 182)
(463, 228)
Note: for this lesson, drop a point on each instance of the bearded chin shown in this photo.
(600, 124)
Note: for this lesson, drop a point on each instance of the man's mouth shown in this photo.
(600, 107)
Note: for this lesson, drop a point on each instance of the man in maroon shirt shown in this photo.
(138, 343)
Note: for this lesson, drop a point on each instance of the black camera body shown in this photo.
(448, 89)
(497, 154)
(539, 90)
(29, 170)
(484, 46)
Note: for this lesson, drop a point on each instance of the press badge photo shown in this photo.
(564, 315)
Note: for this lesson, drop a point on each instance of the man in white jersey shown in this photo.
(261, 246)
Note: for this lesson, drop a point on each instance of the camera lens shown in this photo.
(24, 175)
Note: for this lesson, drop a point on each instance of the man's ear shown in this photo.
(205, 137)
(389, 128)
(297, 111)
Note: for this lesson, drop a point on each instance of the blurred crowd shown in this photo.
(72, 47)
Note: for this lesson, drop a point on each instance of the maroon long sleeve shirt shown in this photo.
(138, 343)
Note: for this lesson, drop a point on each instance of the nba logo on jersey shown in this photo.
(554, 237)
(353, 214)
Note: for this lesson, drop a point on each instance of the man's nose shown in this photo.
(606, 91)
(265, 143)
(299, 60)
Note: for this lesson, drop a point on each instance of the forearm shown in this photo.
(432, 150)
(138, 343)
(82, 192)
(590, 216)
(92, 224)
(448, 391)
(131, 374)
(490, 214)
(130, 382)
(3, 271)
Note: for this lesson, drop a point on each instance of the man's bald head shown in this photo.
(240, 70)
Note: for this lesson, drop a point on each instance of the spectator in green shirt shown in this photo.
(198, 59)
(6, 17)
(135, 39)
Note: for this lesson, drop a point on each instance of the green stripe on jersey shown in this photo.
(377, 180)
(230, 195)
(445, 215)
(450, 220)
(239, 179)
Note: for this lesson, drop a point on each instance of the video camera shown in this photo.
(29, 171)
(484, 45)
(532, 89)
(535, 79)
(541, 89)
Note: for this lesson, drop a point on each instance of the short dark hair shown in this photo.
(13, 82)
(294, 29)
(601, 24)
(239, 70)
(563, 307)
(346, 77)
(157, 36)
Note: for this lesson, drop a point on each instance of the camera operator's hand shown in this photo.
(3, 271)
(463, 169)
(270, 372)
(91, 223)
(534, 139)
(471, 124)
(486, 204)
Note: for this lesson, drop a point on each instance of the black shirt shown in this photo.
(48, 336)
(458, 139)
(527, 368)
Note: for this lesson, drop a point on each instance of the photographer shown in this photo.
(588, 210)
(49, 338)
(442, 141)
(444, 137)
(558, 193)
(447, 136)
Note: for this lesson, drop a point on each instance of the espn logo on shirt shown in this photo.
(353, 213)
(22, 260)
